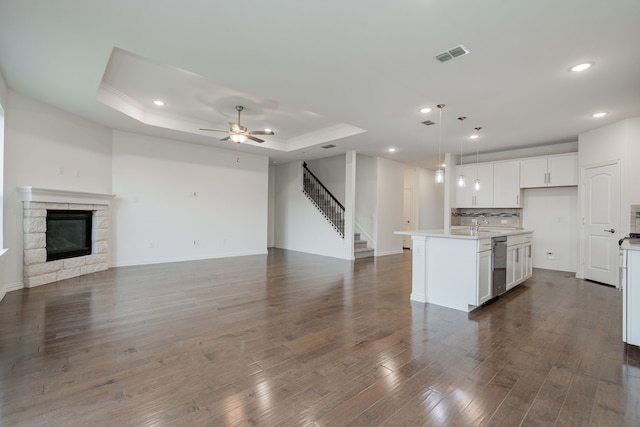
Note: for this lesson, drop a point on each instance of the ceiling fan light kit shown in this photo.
(238, 133)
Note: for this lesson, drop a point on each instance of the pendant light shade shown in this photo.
(461, 181)
(440, 173)
(476, 182)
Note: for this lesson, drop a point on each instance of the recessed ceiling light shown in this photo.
(158, 102)
(267, 130)
(598, 115)
(425, 110)
(581, 67)
(474, 136)
(444, 165)
(391, 150)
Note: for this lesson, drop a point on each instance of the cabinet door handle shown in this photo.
(517, 200)
(517, 254)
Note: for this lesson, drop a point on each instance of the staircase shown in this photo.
(331, 209)
(326, 202)
(360, 249)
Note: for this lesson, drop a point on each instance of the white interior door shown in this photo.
(602, 223)
(407, 213)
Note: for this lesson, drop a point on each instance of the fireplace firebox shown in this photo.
(68, 234)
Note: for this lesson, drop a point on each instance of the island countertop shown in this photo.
(466, 233)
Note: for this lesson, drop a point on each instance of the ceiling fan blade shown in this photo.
(253, 138)
(261, 132)
(214, 130)
(225, 138)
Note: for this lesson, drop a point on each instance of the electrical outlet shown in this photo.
(196, 242)
(551, 256)
(152, 245)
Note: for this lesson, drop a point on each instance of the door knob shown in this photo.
(611, 230)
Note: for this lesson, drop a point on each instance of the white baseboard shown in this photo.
(10, 287)
(389, 253)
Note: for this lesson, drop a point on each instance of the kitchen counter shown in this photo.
(466, 232)
(630, 246)
(453, 267)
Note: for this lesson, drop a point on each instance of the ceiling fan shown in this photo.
(238, 133)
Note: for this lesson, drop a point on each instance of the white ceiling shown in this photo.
(353, 73)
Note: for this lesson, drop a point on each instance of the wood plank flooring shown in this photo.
(291, 339)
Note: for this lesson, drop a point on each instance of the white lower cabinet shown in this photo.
(484, 273)
(528, 261)
(630, 284)
(519, 262)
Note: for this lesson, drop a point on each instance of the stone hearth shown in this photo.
(37, 271)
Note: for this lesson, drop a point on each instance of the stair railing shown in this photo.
(326, 202)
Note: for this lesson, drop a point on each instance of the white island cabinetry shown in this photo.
(484, 271)
(519, 262)
(630, 283)
(452, 268)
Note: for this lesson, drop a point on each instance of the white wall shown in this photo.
(390, 186)
(3, 101)
(170, 194)
(553, 215)
(271, 207)
(299, 226)
(618, 141)
(48, 148)
(631, 182)
(331, 172)
(430, 201)
(4, 91)
(366, 197)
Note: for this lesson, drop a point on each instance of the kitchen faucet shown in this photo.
(475, 225)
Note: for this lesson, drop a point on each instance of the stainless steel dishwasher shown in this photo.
(498, 265)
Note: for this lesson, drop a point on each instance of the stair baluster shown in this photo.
(326, 202)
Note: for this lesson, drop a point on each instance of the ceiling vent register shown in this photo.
(452, 53)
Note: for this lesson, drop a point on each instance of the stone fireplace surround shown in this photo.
(36, 201)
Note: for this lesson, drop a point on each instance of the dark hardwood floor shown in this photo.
(294, 339)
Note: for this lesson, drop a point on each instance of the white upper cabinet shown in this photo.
(506, 184)
(551, 171)
(468, 196)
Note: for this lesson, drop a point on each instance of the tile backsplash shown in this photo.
(511, 218)
(635, 218)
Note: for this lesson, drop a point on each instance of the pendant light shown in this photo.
(461, 182)
(440, 172)
(476, 182)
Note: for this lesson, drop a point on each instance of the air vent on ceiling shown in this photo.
(328, 146)
(428, 123)
(452, 53)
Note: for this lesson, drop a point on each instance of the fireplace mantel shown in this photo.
(37, 202)
(47, 195)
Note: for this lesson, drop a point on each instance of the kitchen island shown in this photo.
(630, 283)
(453, 267)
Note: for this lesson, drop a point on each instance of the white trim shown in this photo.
(46, 195)
(361, 231)
(390, 253)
